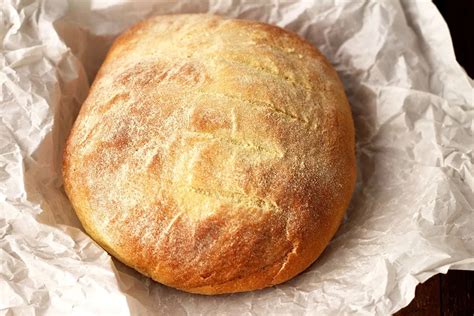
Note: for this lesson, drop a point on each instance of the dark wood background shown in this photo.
(459, 15)
(450, 294)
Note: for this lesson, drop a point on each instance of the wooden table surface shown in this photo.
(450, 294)
(443, 295)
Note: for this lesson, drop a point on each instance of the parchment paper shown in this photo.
(411, 215)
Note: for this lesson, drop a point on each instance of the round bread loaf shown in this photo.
(213, 155)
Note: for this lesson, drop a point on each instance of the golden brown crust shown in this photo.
(212, 155)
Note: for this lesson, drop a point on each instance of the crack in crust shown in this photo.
(289, 253)
(239, 198)
(258, 104)
(236, 278)
(262, 71)
(240, 143)
(115, 99)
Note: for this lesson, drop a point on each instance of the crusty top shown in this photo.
(213, 155)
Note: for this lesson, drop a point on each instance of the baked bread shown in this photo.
(213, 155)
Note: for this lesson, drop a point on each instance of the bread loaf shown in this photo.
(213, 155)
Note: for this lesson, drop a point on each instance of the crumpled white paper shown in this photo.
(411, 215)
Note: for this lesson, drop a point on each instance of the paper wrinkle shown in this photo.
(410, 217)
